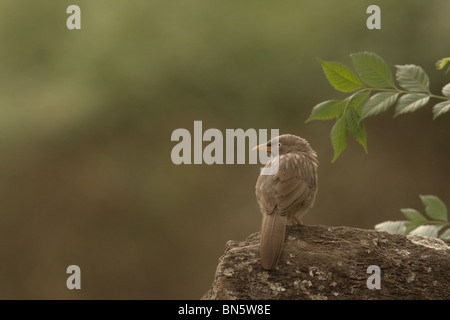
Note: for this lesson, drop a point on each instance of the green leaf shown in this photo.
(413, 215)
(356, 127)
(446, 90)
(372, 69)
(445, 234)
(378, 103)
(411, 102)
(392, 227)
(441, 108)
(339, 137)
(327, 110)
(357, 101)
(434, 207)
(413, 78)
(340, 77)
(427, 230)
(411, 225)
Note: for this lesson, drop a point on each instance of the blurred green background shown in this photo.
(86, 118)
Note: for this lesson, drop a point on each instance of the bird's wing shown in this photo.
(292, 187)
(265, 193)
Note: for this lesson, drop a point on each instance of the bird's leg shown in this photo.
(296, 221)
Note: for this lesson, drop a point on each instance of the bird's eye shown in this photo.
(279, 144)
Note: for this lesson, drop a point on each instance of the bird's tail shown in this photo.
(271, 239)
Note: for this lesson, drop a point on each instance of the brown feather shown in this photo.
(272, 238)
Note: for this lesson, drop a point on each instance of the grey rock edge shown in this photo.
(321, 262)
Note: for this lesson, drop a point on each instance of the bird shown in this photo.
(287, 194)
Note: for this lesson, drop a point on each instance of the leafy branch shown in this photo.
(418, 223)
(374, 92)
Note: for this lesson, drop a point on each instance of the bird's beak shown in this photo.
(263, 146)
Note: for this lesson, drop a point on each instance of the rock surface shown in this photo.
(320, 262)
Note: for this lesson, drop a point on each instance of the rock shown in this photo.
(322, 263)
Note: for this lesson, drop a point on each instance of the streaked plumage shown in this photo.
(288, 194)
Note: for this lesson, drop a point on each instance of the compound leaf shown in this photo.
(356, 127)
(446, 90)
(372, 69)
(327, 110)
(413, 215)
(392, 227)
(340, 76)
(378, 103)
(339, 137)
(441, 108)
(427, 230)
(434, 207)
(411, 102)
(445, 234)
(413, 78)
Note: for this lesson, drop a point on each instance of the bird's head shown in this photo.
(286, 143)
